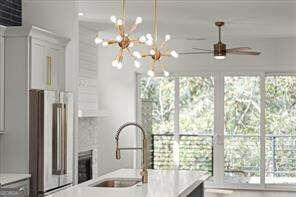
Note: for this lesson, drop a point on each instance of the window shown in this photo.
(280, 129)
(196, 123)
(158, 98)
(242, 128)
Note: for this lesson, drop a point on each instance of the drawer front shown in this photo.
(21, 186)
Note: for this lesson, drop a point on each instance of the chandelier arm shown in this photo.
(134, 27)
(152, 65)
(111, 42)
(161, 65)
(162, 45)
(146, 55)
(119, 56)
(130, 53)
(136, 41)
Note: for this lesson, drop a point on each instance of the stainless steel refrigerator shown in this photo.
(51, 141)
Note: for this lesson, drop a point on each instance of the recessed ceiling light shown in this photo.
(80, 14)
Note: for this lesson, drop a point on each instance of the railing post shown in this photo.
(152, 152)
(273, 154)
(212, 155)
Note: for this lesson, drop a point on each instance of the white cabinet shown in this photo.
(33, 58)
(2, 30)
(45, 55)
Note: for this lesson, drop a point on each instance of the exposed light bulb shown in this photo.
(149, 37)
(137, 64)
(142, 39)
(139, 20)
(105, 43)
(220, 57)
(119, 38)
(174, 54)
(131, 44)
(150, 73)
(80, 14)
(98, 40)
(137, 54)
(115, 63)
(166, 73)
(119, 22)
(113, 19)
(119, 65)
(152, 52)
(167, 37)
(149, 42)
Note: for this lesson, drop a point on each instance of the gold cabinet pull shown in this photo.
(49, 67)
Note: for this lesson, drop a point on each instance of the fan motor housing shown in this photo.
(220, 49)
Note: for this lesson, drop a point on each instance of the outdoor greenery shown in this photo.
(242, 123)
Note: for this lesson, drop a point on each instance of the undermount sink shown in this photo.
(116, 183)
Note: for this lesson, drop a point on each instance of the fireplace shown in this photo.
(85, 161)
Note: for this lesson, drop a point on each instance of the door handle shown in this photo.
(59, 140)
(49, 70)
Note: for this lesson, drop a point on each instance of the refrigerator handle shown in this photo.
(59, 139)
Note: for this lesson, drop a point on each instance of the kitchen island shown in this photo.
(161, 183)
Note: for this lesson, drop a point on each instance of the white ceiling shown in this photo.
(195, 18)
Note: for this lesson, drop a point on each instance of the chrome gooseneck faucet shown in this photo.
(144, 172)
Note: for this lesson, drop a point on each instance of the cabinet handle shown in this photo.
(49, 63)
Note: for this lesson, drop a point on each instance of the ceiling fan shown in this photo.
(220, 49)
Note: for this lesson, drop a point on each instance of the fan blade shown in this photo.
(188, 38)
(203, 49)
(245, 53)
(198, 39)
(194, 53)
(238, 49)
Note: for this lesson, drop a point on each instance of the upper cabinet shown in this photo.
(2, 30)
(44, 53)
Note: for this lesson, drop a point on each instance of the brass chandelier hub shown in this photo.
(156, 56)
(124, 43)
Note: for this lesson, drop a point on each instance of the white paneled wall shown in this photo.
(88, 73)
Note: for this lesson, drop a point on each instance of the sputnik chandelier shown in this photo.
(123, 40)
(158, 51)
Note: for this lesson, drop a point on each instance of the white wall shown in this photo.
(117, 97)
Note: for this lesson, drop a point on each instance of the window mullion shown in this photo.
(219, 130)
(176, 139)
(262, 130)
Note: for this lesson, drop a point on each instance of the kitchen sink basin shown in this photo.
(116, 183)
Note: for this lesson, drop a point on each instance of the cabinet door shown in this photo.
(22, 186)
(47, 65)
(38, 64)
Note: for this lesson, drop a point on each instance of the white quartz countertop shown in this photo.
(7, 178)
(161, 183)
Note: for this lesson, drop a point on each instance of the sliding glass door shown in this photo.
(280, 129)
(241, 128)
(157, 102)
(196, 123)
